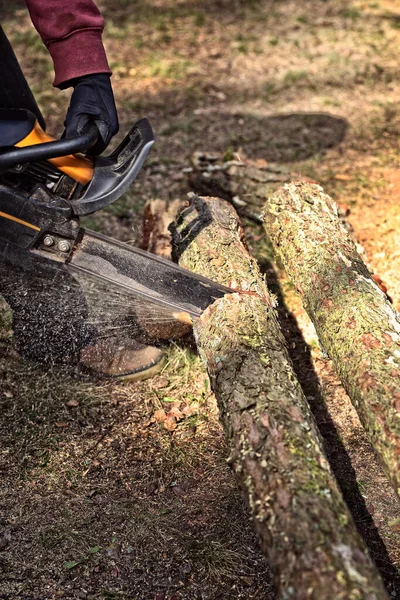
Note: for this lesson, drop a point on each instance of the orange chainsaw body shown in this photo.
(77, 166)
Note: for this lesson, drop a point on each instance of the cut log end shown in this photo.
(157, 217)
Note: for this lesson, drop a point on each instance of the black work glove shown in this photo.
(92, 100)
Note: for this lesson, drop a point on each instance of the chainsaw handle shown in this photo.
(56, 149)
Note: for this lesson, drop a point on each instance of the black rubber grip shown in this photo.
(37, 152)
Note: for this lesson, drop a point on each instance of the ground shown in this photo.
(99, 500)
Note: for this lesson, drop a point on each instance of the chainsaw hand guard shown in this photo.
(114, 174)
(110, 177)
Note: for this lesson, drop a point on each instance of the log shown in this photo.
(303, 524)
(156, 238)
(354, 319)
(157, 217)
(243, 182)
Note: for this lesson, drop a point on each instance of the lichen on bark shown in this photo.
(355, 322)
(302, 522)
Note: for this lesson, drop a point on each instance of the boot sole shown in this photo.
(142, 374)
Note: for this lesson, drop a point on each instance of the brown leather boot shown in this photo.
(133, 362)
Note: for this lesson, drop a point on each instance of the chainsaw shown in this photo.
(46, 185)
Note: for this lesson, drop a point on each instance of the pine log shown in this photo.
(354, 319)
(156, 238)
(243, 182)
(303, 524)
(157, 217)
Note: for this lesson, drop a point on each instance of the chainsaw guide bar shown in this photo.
(143, 275)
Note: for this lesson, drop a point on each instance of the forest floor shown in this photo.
(97, 499)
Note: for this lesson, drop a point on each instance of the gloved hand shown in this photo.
(92, 100)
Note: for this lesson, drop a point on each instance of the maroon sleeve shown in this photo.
(71, 30)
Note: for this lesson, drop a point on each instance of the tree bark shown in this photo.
(354, 320)
(245, 183)
(303, 525)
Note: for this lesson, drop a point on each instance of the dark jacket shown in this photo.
(71, 30)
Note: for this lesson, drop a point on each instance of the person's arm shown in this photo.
(72, 31)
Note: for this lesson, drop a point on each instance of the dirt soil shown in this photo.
(98, 500)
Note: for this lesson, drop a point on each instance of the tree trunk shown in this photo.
(303, 525)
(245, 183)
(354, 319)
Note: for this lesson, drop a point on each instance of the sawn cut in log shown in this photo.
(303, 524)
(355, 322)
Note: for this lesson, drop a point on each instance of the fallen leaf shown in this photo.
(168, 399)
(170, 424)
(70, 564)
(160, 415)
(178, 491)
(175, 412)
(260, 163)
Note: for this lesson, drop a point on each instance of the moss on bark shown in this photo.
(355, 322)
(303, 525)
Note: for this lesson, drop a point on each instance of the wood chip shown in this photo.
(72, 403)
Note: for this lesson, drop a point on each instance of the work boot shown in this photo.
(133, 362)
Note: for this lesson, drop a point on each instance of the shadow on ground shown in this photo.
(276, 138)
(287, 137)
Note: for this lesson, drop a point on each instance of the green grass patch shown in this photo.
(157, 66)
(216, 557)
(293, 77)
(351, 12)
(199, 20)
